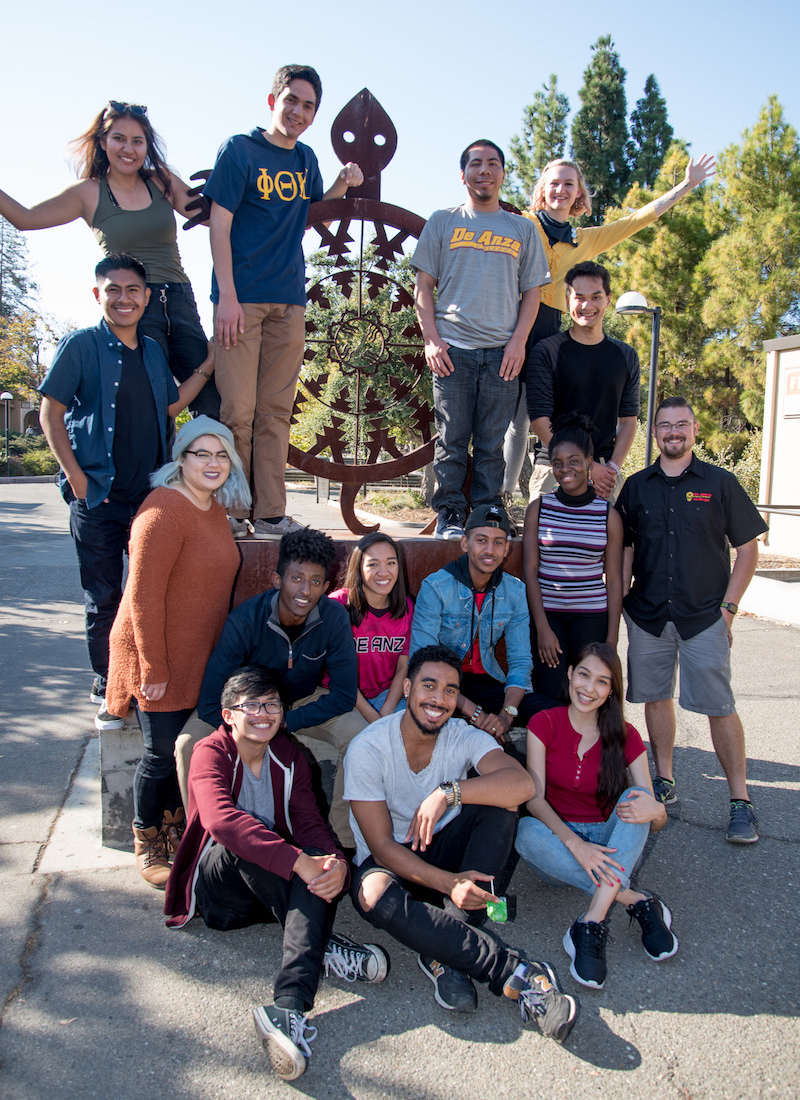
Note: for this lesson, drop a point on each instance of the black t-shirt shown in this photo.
(137, 447)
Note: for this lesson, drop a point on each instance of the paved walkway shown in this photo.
(99, 999)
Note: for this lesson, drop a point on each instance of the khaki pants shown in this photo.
(257, 380)
(338, 731)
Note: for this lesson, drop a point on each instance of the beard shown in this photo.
(424, 724)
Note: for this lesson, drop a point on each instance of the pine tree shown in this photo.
(600, 129)
(543, 138)
(752, 265)
(16, 286)
(651, 135)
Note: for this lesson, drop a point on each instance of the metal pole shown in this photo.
(8, 468)
(651, 388)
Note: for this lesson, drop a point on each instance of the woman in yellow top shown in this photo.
(561, 193)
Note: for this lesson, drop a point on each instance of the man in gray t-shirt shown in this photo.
(488, 265)
(432, 844)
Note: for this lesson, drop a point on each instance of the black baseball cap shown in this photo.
(489, 515)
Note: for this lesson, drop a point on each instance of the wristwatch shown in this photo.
(452, 792)
(512, 711)
(732, 608)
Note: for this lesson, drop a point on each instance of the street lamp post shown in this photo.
(7, 398)
(632, 303)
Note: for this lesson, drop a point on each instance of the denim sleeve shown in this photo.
(518, 645)
(426, 625)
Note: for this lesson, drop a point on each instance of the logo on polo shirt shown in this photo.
(702, 498)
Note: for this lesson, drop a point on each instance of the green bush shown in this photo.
(30, 456)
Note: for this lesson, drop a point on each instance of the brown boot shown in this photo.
(150, 849)
(173, 827)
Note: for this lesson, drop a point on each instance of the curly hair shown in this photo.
(437, 654)
(573, 428)
(307, 545)
(89, 156)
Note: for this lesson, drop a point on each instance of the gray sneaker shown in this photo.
(105, 721)
(240, 528)
(285, 526)
(285, 1036)
(452, 989)
(449, 525)
(664, 790)
(534, 986)
(742, 827)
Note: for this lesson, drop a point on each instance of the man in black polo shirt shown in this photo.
(585, 370)
(681, 516)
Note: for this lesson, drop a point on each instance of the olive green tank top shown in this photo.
(150, 235)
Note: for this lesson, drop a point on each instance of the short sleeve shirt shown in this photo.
(376, 769)
(681, 530)
(268, 190)
(482, 263)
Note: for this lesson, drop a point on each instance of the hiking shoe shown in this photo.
(585, 943)
(664, 790)
(240, 528)
(449, 525)
(105, 721)
(262, 529)
(655, 921)
(453, 989)
(541, 1002)
(285, 1035)
(98, 692)
(742, 827)
(355, 962)
(173, 827)
(150, 849)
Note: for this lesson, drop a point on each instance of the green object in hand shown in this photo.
(497, 910)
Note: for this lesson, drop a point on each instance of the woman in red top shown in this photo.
(588, 827)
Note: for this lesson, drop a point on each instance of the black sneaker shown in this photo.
(449, 525)
(105, 721)
(655, 921)
(535, 987)
(453, 989)
(285, 1035)
(98, 692)
(664, 790)
(585, 943)
(355, 962)
(742, 827)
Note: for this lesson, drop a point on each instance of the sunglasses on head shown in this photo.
(122, 108)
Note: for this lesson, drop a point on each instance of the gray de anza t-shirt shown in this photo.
(376, 770)
(482, 263)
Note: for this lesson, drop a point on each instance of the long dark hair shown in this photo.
(357, 603)
(612, 779)
(89, 157)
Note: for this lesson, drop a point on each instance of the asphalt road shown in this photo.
(101, 1000)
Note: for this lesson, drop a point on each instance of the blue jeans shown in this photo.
(171, 319)
(379, 700)
(475, 403)
(551, 862)
(101, 539)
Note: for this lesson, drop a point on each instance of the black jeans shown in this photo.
(101, 540)
(155, 784)
(479, 839)
(171, 319)
(573, 633)
(490, 694)
(233, 893)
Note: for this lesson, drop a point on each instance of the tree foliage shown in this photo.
(600, 128)
(16, 287)
(24, 338)
(651, 135)
(543, 138)
(751, 267)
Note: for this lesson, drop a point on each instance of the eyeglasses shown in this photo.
(667, 425)
(122, 108)
(255, 708)
(206, 456)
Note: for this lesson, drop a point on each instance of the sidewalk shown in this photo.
(100, 999)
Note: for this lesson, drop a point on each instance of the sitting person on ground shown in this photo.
(572, 560)
(256, 849)
(295, 629)
(374, 594)
(432, 846)
(183, 562)
(588, 826)
(471, 604)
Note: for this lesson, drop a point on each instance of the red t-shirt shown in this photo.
(380, 642)
(472, 661)
(572, 782)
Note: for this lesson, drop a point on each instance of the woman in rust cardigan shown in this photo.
(183, 562)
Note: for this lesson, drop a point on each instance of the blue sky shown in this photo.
(445, 74)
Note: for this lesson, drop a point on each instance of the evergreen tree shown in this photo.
(543, 138)
(16, 286)
(600, 129)
(752, 265)
(651, 135)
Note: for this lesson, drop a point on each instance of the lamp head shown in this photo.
(632, 302)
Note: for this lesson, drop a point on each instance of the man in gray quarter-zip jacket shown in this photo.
(294, 630)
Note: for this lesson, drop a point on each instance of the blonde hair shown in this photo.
(582, 204)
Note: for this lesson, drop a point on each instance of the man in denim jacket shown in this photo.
(470, 605)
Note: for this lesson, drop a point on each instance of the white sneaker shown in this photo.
(264, 530)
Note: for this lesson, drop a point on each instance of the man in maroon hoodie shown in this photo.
(256, 848)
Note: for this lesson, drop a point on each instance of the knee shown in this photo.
(372, 890)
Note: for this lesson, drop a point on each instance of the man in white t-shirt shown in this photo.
(488, 265)
(431, 844)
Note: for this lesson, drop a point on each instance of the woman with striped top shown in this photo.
(572, 557)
